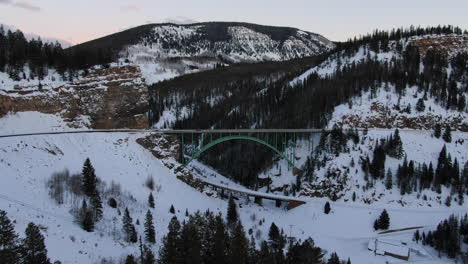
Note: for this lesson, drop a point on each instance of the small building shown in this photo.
(389, 248)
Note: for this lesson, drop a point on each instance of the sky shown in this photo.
(83, 20)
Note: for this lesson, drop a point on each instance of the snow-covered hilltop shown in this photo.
(170, 50)
(233, 43)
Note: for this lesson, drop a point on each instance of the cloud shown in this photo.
(129, 8)
(21, 4)
(28, 6)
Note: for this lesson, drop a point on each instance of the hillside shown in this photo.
(125, 166)
(393, 68)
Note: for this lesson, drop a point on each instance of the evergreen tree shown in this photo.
(394, 147)
(85, 217)
(304, 253)
(33, 249)
(128, 228)
(170, 249)
(150, 233)
(151, 200)
(220, 241)
(232, 216)
(172, 209)
(420, 105)
(327, 208)
(190, 240)
(9, 249)
(148, 256)
(89, 178)
(437, 130)
(239, 245)
(417, 236)
(383, 222)
(130, 260)
(334, 259)
(96, 206)
(389, 180)
(461, 103)
(447, 134)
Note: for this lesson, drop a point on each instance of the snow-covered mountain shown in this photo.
(164, 51)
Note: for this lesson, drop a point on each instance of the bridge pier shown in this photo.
(258, 200)
(278, 203)
(294, 203)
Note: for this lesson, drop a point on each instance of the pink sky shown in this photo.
(79, 21)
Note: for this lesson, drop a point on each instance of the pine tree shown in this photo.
(172, 209)
(33, 249)
(383, 222)
(232, 215)
(9, 249)
(128, 228)
(130, 260)
(420, 105)
(447, 134)
(148, 256)
(437, 130)
(89, 178)
(389, 180)
(150, 233)
(327, 208)
(96, 206)
(461, 103)
(85, 217)
(303, 253)
(151, 200)
(220, 240)
(170, 248)
(239, 245)
(334, 259)
(417, 236)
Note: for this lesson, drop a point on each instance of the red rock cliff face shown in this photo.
(115, 97)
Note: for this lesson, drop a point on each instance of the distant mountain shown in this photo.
(211, 42)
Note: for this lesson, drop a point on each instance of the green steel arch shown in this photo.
(228, 138)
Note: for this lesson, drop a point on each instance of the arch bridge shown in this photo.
(282, 141)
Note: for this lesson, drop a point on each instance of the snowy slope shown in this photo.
(386, 110)
(419, 146)
(27, 162)
(172, 50)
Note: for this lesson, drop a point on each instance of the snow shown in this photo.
(330, 65)
(34, 122)
(363, 109)
(27, 162)
(50, 81)
(381, 246)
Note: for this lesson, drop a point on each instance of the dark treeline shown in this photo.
(448, 238)
(16, 52)
(382, 37)
(209, 238)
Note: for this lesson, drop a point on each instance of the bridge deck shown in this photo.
(292, 202)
